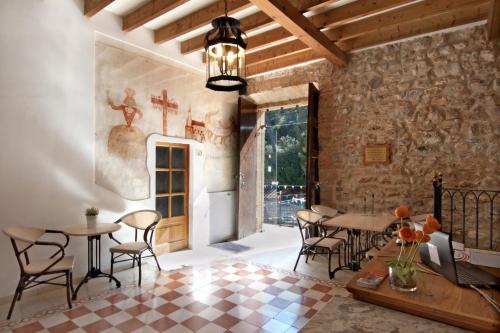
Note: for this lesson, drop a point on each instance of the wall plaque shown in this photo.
(376, 154)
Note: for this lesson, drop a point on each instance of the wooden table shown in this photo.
(355, 224)
(93, 235)
(436, 298)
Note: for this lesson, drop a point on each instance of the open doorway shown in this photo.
(285, 163)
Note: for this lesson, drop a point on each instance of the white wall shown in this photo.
(46, 120)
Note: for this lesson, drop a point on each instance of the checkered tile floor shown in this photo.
(231, 296)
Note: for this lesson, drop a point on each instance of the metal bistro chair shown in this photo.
(145, 220)
(327, 213)
(308, 221)
(23, 239)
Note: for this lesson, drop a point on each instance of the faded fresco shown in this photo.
(136, 96)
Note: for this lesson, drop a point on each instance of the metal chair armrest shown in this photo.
(61, 251)
(52, 231)
(151, 228)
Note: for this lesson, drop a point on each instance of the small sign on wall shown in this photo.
(377, 154)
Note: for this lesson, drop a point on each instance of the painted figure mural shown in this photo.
(127, 105)
(127, 141)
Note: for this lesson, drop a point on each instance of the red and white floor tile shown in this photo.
(229, 296)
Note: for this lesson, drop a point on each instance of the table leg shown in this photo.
(94, 264)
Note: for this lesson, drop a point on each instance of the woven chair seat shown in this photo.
(36, 267)
(329, 243)
(130, 247)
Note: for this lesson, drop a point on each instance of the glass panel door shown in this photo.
(172, 196)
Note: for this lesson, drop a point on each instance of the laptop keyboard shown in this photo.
(465, 277)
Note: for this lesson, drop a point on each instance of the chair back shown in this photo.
(325, 211)
(23, 237)
(307, 221)
(141, 219)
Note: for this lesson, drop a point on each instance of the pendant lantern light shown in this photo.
(225, 48)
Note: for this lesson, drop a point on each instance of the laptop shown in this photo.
(438, 255)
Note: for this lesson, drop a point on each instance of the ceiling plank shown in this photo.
(464, 15)
(148, 12)
(286, 61)
(198, 19)
(410, 13)
(92, 7)
(494, 20)
(292, 20)
(253, 22)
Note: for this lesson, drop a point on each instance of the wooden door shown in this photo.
(172, 196)
(247, 189)
(312, 167)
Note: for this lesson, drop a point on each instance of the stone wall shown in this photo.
(435, 100)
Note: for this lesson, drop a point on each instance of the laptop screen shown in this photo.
(438, 255)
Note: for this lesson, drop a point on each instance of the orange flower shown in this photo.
(406, 234)
(402, 212)
(432, 222)
(419, 235)
(428, 229)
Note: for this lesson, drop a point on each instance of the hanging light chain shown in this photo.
(225, 7)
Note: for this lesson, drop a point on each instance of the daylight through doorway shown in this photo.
(285, 164)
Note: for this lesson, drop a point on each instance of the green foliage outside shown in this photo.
(286, 143)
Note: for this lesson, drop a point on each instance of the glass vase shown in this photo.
(403, 278)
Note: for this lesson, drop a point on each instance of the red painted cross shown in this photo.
(165, 105)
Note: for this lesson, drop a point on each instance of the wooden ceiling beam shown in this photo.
(410, 13)
(198, 19)
(92, 7)
(454, 18)
(494, 20)
(286, 61)
(448, 20)
(148, 12)
(343, 14)
(354, 10)
(297, 24)
(253, 22)
(274, 52)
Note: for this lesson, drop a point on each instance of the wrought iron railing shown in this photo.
(281, 202)
(465, 208)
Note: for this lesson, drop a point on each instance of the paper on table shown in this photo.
(433, 254)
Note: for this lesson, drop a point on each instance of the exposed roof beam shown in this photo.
(494, 20)
(277, 51)
(292, 20)
(457, 17)
(92, 7)
(342, 14)
(149, 11)
(198, 19)
(253, 22)
(447, 20)
(410, 13)
(286, 61)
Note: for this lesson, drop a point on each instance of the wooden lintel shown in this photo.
(297, 24)
(149, 11)
(92, 7)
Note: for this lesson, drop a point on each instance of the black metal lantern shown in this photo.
(225, 48)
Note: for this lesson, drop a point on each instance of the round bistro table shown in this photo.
(93, 235)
